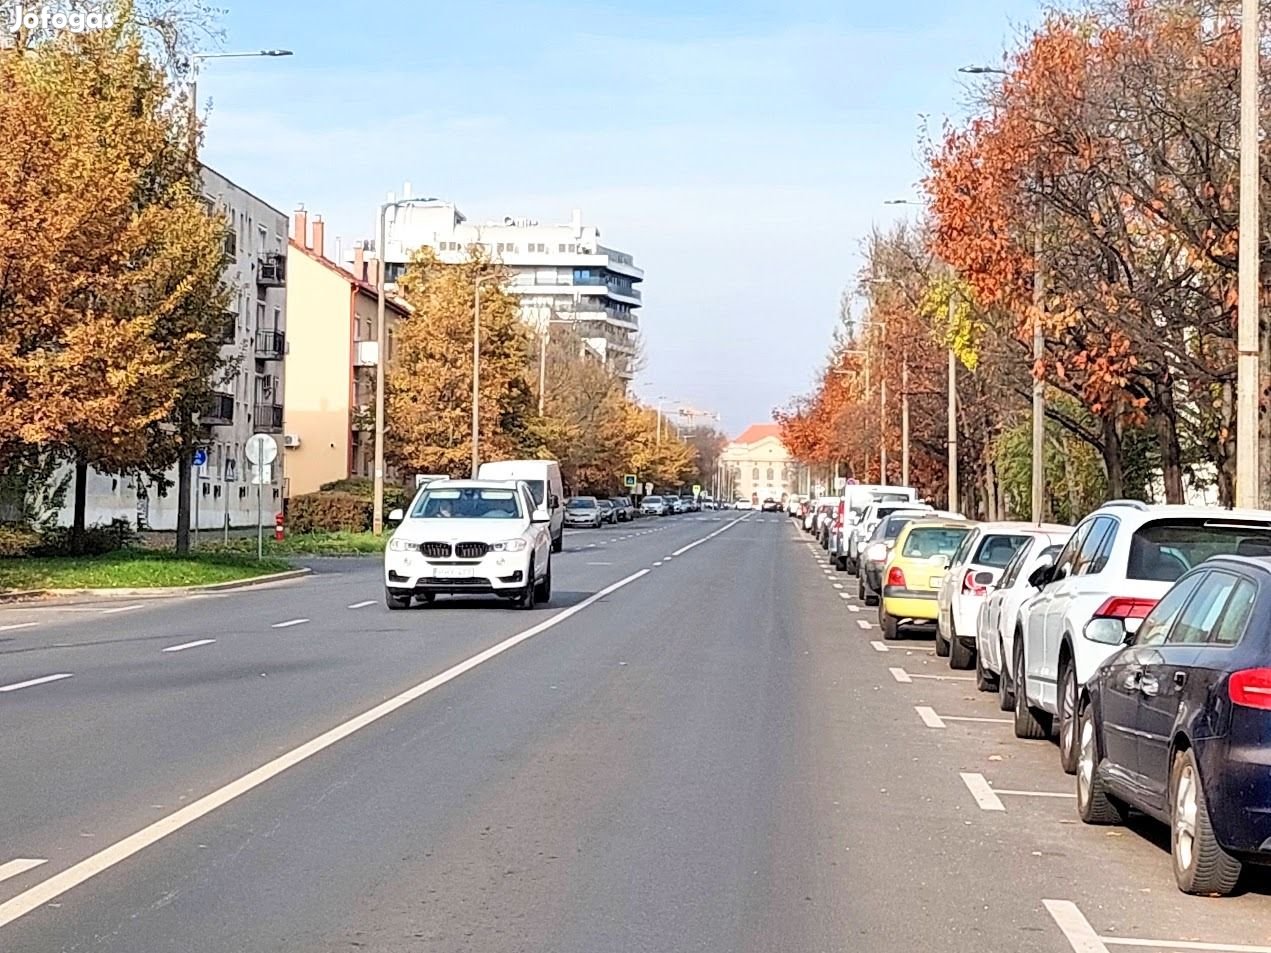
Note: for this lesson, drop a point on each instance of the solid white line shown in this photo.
(17, 625)
(104, 859)
(1037, 794)
(982, 793)
(19, 866)
(600, 564)
(362, 605)
(900, 675)
(1076, 928)
(35, 681)
(986, 721)
(879, 647)
(929, 716)
(120, 609)
(288, 623)
(1184, 945)
(863, 623)
(189, 645)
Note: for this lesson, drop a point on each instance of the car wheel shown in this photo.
(871, 598)
(558, 543)
(526, 600)
(853, 566)
(890, 626)
(1094, 804)
(985, 680)
(543, 591)
(1030, 723)
(1069, 744)
(961, 656)
(395, 600)
(1005, 692)
(840, 563)
(942, 644)
(428, 598)
(860, 589)
(1201, 866)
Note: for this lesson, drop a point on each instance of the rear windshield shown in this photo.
(1165, 549)
(927, 541)
(893, 498)
(996, 549)
(653, 499)
(890, 528)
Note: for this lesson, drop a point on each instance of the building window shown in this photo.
(263, 235)
(561, 249)
(573, 248)
(754, 475)
(771, 475)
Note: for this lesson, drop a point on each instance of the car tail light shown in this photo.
(1251, 688)
(896, 577)
(1123, 607)
(842, 505)
(970, 585)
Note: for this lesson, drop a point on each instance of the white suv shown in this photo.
(1119, 561)
(464, 537)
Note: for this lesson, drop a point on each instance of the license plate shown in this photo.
(454, 572)
(936, 582)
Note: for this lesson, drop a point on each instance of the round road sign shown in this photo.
(261, 449)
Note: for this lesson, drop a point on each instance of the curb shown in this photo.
(32, 595)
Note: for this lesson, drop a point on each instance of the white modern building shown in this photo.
(252, 402)
(559, 272)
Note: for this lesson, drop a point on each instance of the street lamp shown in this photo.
(981, 70)
(198, 58)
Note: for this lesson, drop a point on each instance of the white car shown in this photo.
(851, 537)
(999, 614)
(1119, 562)
(461, 537)
(743, 505)
(975, 566)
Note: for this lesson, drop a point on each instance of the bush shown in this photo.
(329, 512)
(97, 540)
(364, 489)
(18, 540)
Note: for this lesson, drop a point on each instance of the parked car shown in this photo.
(854, 499)
(584, 511)
(608, 511)
(1177, 724)
(743, 504)
(847, 545)
(770, 505)
(794, 505)
(676, 505)
(626, 509)
(653, 506)
(1120, 560)
(877, 549)
(1000, 614)
(690, 504)
(972, 569)
(463, 537)
(915, 571)
(543, 477)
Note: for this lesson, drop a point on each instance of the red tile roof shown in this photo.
(366, 287)
(756, 432)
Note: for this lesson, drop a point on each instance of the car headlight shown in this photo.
(510, 546)
(402, 545)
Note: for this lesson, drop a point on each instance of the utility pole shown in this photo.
(904, 420)
(476, 369)
(1039, 385)
(882, 431)
(381, 370)
(1247, 366)
(953, 416)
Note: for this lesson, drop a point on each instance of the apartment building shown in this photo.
(332, 357)
(560, 273)
(254, 334)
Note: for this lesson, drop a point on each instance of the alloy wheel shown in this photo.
(1185, 807)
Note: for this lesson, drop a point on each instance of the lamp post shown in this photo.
(476, 367)
(1247, 366)
(198, 58)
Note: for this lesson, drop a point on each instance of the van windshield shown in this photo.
(539, 490)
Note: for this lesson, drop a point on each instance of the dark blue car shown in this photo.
(1178, 723)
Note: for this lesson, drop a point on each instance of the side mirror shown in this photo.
(541, 518)
(1040, 577)
(553, 501)
(396, 516)
(984, 578)
(1106, 631)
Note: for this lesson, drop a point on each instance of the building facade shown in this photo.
(560, 273)
(255, 337)
(332, 357)
(757, 465)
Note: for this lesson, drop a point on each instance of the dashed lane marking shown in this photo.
(189, 645)
(32, 682)
(19, 866)
(288, 624)
(362, 605)
(17, 625)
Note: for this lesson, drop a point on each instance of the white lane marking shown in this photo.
(362, 605)
(1076, 928)
(984, 721)
(288, 624)
(17, 625)
(845, 595)
(838, 585)
(723, 529)
(104, 859)
(853, 608)
(658, 563)
(35, 681)
(982, 793)
(120, 609)
(879, 647)
(600, 564)
(1057, 794)
(929, 716)
(189, 645)
(900, 675)
(1183, 945)
(863, 623)
(668, 558)
(19, 866)
(945, 678)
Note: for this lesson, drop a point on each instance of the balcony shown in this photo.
(367, 354)
(271, 270)
(267, 418)
(219, 412)
(270, 345)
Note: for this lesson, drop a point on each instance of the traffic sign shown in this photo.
(629, 480)
(648, 488)
(697, 489)
(262, 475)
(200, 457)
(261, 449)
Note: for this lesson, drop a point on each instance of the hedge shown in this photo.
(329, 512)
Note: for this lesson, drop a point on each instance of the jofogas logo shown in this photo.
(50, 18)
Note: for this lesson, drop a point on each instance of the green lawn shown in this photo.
(131, 569)
(309, 544)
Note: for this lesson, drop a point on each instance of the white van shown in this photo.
(543, 477)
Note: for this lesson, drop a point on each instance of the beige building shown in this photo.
(757, 465)
(331, 361)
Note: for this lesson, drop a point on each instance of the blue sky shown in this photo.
(739, 151)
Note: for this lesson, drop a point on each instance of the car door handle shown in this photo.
(1150, 686)
(1132, 678)
(1180, 679)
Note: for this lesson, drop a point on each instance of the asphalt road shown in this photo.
(700, 745)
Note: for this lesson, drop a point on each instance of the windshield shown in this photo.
(538, 489)
(581, 503)
(1165, 549)
(653, 499)
(996, 549)
(467, 503)
(927, 541)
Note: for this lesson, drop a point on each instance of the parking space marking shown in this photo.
(985, 721)
(1076, 929)
(17, 625)
(853, 608)
(879, 647)
(19, 866)
(845, 595)
(910, 676)
(899, 674)
(863, 623)
(1184, 945)
(929, 716)
(32, 682)
(838, 585)
(1056, 794)
(362, 605)
(983, 794)
(288, 624)
(188, 645)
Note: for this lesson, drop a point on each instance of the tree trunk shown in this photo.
(1167, 434)
(1069, 482)
(185, 466)
(80, 513)
(1111, 450)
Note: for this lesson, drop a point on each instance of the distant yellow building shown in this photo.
(330, 364)
(757, 465)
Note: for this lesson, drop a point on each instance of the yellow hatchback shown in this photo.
(911, 579)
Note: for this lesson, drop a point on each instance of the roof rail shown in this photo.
(1133, 504)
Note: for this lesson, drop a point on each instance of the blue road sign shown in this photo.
(200, 457)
